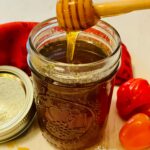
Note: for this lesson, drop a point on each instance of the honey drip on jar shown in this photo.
(73, 18)
(71, 42)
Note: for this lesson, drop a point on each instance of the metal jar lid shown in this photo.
(17, 109)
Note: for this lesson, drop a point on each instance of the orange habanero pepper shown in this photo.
(135, 134)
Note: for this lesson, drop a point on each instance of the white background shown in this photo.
(134, 29)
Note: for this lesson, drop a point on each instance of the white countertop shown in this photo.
(134, 29)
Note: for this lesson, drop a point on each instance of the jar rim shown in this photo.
(45, 59)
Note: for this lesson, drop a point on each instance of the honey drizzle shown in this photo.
(71, 42)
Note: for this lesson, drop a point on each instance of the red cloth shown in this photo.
(125, 71)
(13, 38)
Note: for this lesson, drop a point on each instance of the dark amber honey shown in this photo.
(73, 116)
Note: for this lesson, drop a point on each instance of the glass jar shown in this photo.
(73, 99)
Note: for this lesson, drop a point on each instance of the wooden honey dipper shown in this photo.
(81, 14)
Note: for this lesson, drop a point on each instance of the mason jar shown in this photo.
(73, 99)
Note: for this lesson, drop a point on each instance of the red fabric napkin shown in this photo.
(13, 38)
(125, 71)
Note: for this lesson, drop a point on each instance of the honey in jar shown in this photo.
(73, 98)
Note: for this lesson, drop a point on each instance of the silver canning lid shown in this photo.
(17, 109)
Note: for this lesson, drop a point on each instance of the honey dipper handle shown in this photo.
(115, 7)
